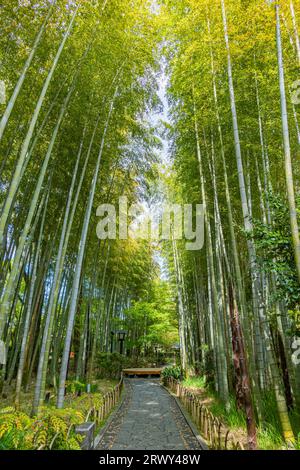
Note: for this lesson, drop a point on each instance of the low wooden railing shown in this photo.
(217, 435)
(96, 415)
(110, 400)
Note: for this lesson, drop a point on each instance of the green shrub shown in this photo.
(269, 438)
(110, 365)
(195, 382)
(76, 387)
(171, 372)
(12, 440)
(14, 430)
(297, 443)
(53, 430)
(87, 402)
(233, 418)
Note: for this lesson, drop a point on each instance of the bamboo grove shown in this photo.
(81, 80)
(234, 68)
(79, 77)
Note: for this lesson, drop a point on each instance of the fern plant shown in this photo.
(55, 429)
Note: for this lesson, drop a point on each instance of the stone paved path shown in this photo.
(149, 419)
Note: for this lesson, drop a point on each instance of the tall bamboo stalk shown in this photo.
(77, 274)
(287, 147)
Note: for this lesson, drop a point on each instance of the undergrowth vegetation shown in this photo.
(269, 436)
(54, 430)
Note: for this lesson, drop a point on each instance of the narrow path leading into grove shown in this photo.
(149, 419)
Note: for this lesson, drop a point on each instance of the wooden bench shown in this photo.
(143, 371)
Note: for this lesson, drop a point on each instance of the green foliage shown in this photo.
(153, 318)
(15, 429)
(12, 440)
(269, 409)
(269, 438)
(86, 402)
(171, 372)
(269, 435)
(275, 251)
(195, 382)
(233, 417)
(111, 51)
(110, 364)
(297, 443)
(77, 387)
(53, 430)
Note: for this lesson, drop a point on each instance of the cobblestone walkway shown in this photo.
(149, 419)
